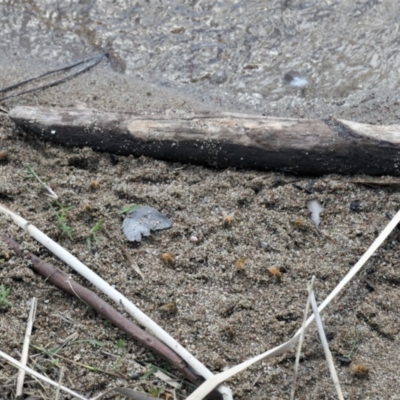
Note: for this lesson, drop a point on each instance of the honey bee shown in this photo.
(168, 259)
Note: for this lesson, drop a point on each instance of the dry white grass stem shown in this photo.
(325, 345)
(25, 348)
(51, 194)
(215, 380)
(30, 371)
(59, 383)
(117, 297)
(301, 339)
(131, 261)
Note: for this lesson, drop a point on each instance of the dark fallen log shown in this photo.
(301, 146)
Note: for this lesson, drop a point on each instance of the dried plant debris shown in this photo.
(315, 209)
(141, 221)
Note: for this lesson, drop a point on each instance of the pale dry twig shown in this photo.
(324, 342)
(30, 371)
(25, 348)
(301, 339)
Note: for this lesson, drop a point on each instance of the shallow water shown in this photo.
(240, 50)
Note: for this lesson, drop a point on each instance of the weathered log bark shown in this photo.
(301, 146)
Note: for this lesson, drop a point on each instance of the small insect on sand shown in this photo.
(169, 308)
(86, 207)
(230, 331)
(300, 224)
(228, 219)
(240, 265)
(168, 259)
(94, 185)
(276, 273)
(360, 370)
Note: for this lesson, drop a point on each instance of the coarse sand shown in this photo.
(229, 306)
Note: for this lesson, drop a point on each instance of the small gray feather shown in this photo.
(315, 209)
(141, 221)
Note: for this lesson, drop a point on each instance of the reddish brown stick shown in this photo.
(65, 283)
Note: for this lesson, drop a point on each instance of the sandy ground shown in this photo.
(224, 315)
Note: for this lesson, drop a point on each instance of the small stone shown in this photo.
(169, 308)
(355, 206)
(135, 376)
(3, 155)
(177, 29)
(295, 79)
(344, 360)
(219, 77)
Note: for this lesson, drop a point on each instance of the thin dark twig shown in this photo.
(54, 71)
(97, 59)
(67, 284)
(375, 183)
(302, 189)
